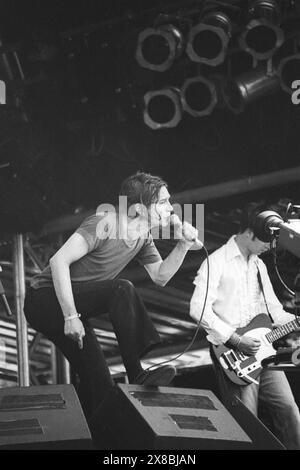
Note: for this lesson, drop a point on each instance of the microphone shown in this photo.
(175, 220)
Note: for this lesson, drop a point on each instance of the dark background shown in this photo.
(77, 129)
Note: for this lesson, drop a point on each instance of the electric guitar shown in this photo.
(242, 369)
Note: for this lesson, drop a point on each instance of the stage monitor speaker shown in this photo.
(262, 438)
(42, 417)
(138, 417)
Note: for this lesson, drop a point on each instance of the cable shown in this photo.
(197, 329)
(273, 251)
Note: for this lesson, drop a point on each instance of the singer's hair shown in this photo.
(247, 218)
(142, 188)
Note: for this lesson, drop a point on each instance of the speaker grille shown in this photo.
(174, 400)
(20, 427)
(201, 423)
(32, 402)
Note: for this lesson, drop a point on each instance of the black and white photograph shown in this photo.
(149, 228)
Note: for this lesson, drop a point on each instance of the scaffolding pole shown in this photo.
(21, 325)
(63, 368)
(53, 353)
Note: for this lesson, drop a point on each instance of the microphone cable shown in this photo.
(198, 324)
(274, 254)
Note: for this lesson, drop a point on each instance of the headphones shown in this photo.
(262, 222)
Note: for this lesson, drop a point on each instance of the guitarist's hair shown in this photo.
(248, 216)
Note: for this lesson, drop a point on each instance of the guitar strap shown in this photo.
(263, 292)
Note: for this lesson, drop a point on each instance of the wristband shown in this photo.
(76, 315)
(235, 340)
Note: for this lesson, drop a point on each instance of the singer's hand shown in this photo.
(74, 329)
(189, 234)
(186, 233)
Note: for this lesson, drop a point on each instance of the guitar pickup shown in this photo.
(231, 359)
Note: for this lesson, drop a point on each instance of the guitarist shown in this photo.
(234, 298)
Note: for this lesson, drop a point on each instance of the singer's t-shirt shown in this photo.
(108, 253)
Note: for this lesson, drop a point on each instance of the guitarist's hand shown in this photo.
(248, 345)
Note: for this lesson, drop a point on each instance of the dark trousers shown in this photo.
(134, 330)
(274, 394)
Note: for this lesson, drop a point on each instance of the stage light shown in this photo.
(163, 108)
(208, 40)
(249, 87)
(289, 71)
(198, 96)
(157, 48)
(263, 35)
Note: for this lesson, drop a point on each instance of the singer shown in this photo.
(82, 282)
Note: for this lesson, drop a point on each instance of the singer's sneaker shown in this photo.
(161, 376)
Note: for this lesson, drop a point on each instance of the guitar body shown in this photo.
(242, 369)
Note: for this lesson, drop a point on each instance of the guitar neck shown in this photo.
(282, 331)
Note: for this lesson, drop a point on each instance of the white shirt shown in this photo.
(234, 295)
